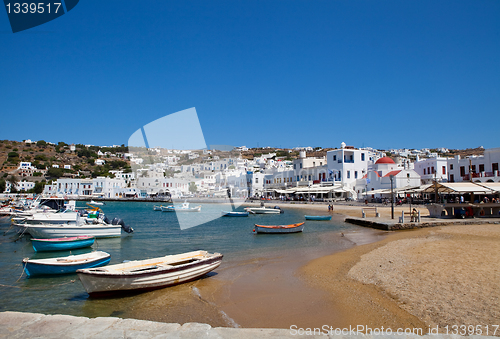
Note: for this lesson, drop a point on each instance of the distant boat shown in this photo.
(234, 214)
(183, 208)
(97, 203)
(292, 228)
(60, 244)
(149, 274)
(264, 210)
(157, 208)
(318, 217)
(65, 265)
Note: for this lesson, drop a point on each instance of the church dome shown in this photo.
(385, 160)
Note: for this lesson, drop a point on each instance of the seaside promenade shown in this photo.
(34, 325)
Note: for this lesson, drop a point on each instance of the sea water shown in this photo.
(155, 234)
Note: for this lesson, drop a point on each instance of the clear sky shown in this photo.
(385, 74)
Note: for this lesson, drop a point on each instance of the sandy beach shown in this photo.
(437, 276)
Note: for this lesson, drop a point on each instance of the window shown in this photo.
(494, 167)
(462, 171)
(314, 163)
(473, 168)
(348, 174)
(256, 180)
(451, 167)
(433, 171)
(300, 165)
(481, 168)
(452, 178)
(444, 169)
(355, 174)
(294, 166)
(334, 157)
(408, 175)
(424, 172)
(362, 157)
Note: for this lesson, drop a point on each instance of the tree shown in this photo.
(192, 187)
(41, 143)
(55, 172)
(38, 189)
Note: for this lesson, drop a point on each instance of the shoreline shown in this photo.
(445, 275)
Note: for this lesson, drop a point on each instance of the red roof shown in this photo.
(385, 160)
(366, 175)
(392, 173)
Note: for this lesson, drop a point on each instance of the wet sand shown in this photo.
(258, 290)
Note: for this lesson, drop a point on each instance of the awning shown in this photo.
(458, 188)
(494, 186)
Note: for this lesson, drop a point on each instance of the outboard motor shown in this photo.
(278, 208)
(106, 220)
(117, 221)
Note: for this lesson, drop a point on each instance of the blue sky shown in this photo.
(385, 74)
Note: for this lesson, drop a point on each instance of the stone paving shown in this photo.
(34, 325)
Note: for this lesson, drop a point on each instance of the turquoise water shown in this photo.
(156, 234)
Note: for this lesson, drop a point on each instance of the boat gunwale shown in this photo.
(156, 271)
(46, 261)
(281, 226)
(61, 240)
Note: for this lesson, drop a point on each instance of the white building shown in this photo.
(430, 169)
(482, 168)
(348, 164)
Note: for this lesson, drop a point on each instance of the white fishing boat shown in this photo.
(61, 217)
(264, 210)
(183, 208)
(60, 230)
(96, 228)
(96, 203)
(149, 274)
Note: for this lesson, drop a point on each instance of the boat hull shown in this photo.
(318, 217)
(99, 283)
(263, 210)
(61, 244)
(234, 214)
(60, 231)
(279, 229)
(51, 267)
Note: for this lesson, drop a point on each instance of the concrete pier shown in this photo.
(15, 325)
(388, 224)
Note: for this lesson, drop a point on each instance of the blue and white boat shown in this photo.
(318, 217)
(64, 265)
(61, 244)
(183, 208)
(234, 214)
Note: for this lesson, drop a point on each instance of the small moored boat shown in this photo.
(318, 217)
(264, 210)
(234, 214)
(292, 228)
(149, 274)
(61, 244)
(65, 265)
(183, 208)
